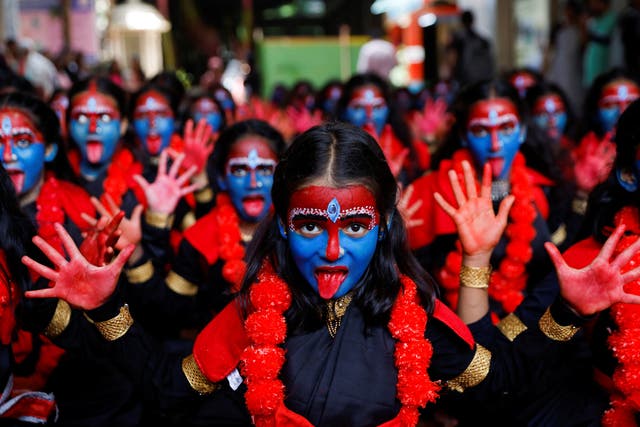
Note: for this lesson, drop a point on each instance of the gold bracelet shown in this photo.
(158, 220)
(196, 378)
(475, 277)
(188, 220)
(553, 330)
(511, 326)
(475, 373)
(205, 195)
(117, 326)
(180, 285)
(140, 274)
(59, 321)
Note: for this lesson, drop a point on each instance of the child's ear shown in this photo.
(50, 152)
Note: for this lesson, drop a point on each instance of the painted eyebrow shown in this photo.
(301, 216)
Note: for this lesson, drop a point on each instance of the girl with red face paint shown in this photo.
(286, 353)
(366, 102)
(489, 130)
(208, 266)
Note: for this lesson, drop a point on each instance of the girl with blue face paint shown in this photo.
(153, 119)
(316, 350)
(365, 102)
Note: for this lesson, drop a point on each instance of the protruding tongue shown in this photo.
(329, 282)
(153, 144)
(497, 164)
(17, 178)
(253, 206)
(94, 151)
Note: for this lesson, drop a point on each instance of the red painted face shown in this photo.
(333, 235)
(152, 105)
(618, 94)
(92, 106)
(522, 81)
(494, 134)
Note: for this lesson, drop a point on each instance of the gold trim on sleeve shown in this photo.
(140, 274)
(511, 326)
(204, 196)
(196, 378)
(117, 326)
(475, 373)
(475, 277)
(59, 321)
(188, 220)
(553, 330)
(180, 285)
(158, 220)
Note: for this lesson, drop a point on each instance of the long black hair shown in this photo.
(343, 155)
(47, 122)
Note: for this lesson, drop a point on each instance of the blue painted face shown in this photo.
(153, 122)
(23, 149)
(368, 106)
(629, 180)
(494, 135)
(549, 113)
(616, 97)
(95, 127)
(249, 177)
(206, 109)
(333, 235)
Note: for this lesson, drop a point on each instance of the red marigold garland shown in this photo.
(266, 328)
(510, 278)
(230, 249)
(625, 341)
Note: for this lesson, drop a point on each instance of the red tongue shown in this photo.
(17, 178)
(253, 206)
(94, 151)
(496, 166)
(153, 144)
(329, 282)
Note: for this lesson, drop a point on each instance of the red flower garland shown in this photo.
(230, 249)
(510, 279)
(266, 328)
(625, 341)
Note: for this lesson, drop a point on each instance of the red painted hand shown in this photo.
(599, 285)
(479, 228)
(393, 149)
(129, 229)
(78, 282)
(198, 145)
(409, 209)
(302, 119)
(165, 192)
(99, 242)
(434, 120)
(593, 161)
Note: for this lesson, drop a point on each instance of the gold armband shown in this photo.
(205, 195)
(511, 326)
(188, 220)
(579, 205)
(180, 285)
(158, 220)
(59, 321)
(475, 277)
(475, 373)
(196, 378)
(140, 274)
(115, 327)
(553, 330)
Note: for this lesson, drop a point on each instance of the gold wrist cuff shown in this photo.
(196, 378)
(180, 285)
(475, 277)
(511, 326)
(158, 220)
(553, 330)
(475, 373)
(188, 220)
(579, 205)
(115, 327)
(59, 321)
(205, 195)
(140, 274)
